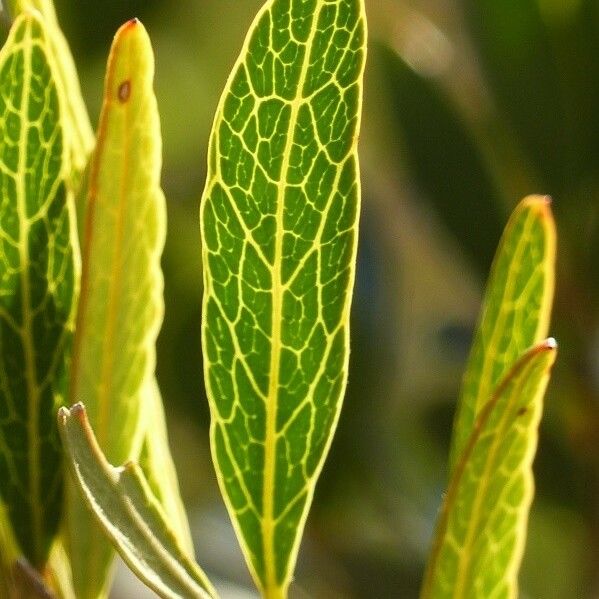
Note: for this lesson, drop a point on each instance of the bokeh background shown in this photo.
(469, 106)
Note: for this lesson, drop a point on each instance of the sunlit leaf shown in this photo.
(516, 310)
(279, 227)
(479, 540)
(121, 304)
(129, 513)
(78, 134)
(38, 275)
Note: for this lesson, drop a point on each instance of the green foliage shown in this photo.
(39, 274)
(78, 135)
(279, 223)
(130, 514)
(121, 307)
(481, 529)
(516, 310)
(482, 526)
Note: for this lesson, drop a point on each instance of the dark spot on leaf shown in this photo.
(124, 90)
(521, 412)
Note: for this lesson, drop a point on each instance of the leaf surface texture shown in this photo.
(279, 227)
(481, 530)
(130, 514)
(38, 285)
(516, 309)
(121, 304)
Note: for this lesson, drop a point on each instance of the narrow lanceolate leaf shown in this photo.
(156, 463)
(516, 309)
(38, 274)
(481, 530)
(78, 134)
(130, 514)
(279, 227)
(121, 304)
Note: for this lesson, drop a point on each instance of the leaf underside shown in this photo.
(279, 228)
(38, 274)
(130, 514)
(121, 306)
(516, 309)
(481, 530)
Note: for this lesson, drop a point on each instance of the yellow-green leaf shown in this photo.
(156, 463)
(78, 134)
(516, 309)
(38, 287)
(479, 540)
(131, 516)
(121, 304)
(279, 227)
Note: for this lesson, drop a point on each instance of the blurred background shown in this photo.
(469, 106)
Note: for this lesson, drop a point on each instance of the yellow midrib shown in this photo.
(33, 390)
(273, 590)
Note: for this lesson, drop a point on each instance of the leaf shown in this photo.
(129, 513)
(279, 227)
(78, 134)
(516, 310)
(445, 161)
(156, 463)
(121, 304)
(481, 530)
(39, 265)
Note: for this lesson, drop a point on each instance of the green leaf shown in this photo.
(279, 227)
(121, 306)
(156, 463)
(78, 134)
(129, 513)
(516, 310)
(480, 535)
(38, 284)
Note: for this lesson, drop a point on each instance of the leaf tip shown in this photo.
(63, 415)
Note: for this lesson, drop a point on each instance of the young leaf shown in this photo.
(279, 228)
(479, 540)
(38, 275)
(78, 134)
(130, 515)
(516, 309)
(121, 304)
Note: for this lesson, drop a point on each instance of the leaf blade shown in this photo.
(39, 274)
(121, 305)
(516, 309)
(296, 86)
(157, 464)
(480, 534)
(129, 514)
(79, 137)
